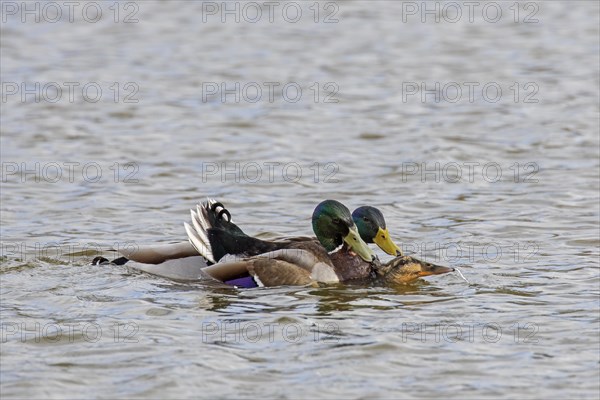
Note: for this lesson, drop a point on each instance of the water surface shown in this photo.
(526, 325)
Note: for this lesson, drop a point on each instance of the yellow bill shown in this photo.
(358, 246)
(385, 243)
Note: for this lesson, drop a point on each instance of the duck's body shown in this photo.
(292, 261)
(349, 267)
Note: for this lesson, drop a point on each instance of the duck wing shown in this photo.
(156, 254)
(271, 272)
(291, 266)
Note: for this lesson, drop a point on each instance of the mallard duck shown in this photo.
(372, 229)
(215, 235)
(400, 270)
(289, 261)
(224, 237)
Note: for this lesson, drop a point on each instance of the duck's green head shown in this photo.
(333, 225)
(371, 226)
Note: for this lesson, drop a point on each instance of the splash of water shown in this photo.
(461, 275)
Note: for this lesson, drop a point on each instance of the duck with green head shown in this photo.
(291, 261)
(400, 270)
(372, 229)
(334, 226)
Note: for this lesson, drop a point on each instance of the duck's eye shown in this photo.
(365, 219)
(337, 221)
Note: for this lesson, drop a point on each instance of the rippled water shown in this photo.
(79, 175)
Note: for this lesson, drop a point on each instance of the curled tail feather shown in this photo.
(206, 216)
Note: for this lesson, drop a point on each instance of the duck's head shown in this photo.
(372, 229)
(333, 225)
(406, 269)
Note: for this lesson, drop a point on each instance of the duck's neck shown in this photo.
(348, 265)
(330, 244)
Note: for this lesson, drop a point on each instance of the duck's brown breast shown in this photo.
(349, 267)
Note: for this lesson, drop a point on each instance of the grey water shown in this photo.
(474, 128)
